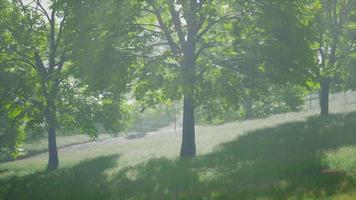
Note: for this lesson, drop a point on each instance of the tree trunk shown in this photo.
(324, 97)
(188, 137)
(52, 143)
(188, 63)
(188, 148)
(188, 86)
(52, 149)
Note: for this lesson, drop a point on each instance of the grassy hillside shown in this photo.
(289, 156)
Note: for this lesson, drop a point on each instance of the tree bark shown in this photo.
(52, 148)
(188, 85)
(53, 88)
(52, 143)
(324, 97)
(188, 148)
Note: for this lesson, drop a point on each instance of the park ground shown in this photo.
(285, 156)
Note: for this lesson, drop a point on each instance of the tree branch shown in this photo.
(146, 24)
(43, 10)
(229, 16)
(62, 59)
(52, 43)
(177, 23)
(60, 30)
(205, 46)
(174, 47)
(39, 65)
(18, 58)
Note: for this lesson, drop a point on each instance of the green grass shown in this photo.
(40, 145)
(289, 156)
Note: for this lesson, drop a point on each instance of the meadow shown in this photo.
(285, 156)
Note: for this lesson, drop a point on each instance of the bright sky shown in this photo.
(45, 3)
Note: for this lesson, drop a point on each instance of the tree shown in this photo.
(331, 21)
(304, 42)
(63, 95)
(15, 92)
(180, 32)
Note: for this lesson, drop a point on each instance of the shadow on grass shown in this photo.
(282, 162)
(275, 163)
(83, 181)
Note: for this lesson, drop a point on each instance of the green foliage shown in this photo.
(278, 37)
(350, 60)
(103, 43)
(16, 105)
(100, 64)
(256, 104)
(351, 81)
(227, 76)
(67, 70)
(160, 77)
(302, 42)
(259, 75)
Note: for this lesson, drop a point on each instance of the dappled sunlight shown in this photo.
(177, 99)
(295, 160)
(275, 163)
(342, 158)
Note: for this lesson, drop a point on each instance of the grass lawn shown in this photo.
(288, 156)
(40, 145)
